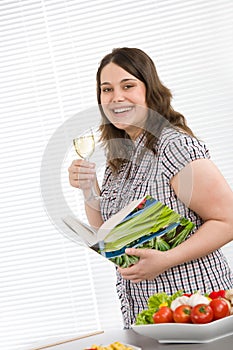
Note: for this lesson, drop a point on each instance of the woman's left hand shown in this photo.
(151, 263)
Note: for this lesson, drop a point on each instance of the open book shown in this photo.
(144, 223)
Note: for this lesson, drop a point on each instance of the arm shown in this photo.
(203, 189)
(92, 208)
(82, 175)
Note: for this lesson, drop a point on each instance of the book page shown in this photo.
(83, 231)
(116, 219)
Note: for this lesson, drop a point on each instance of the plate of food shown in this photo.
(187, 318)
(114, 346)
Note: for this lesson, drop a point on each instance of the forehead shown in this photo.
(112, 73)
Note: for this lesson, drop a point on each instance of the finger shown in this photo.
(75, 163)
(82, 183)
(84, 176)
(82, 170)
(82, 163)
(81, 180)
(130, 272)
(135, 252)
(80, 173)
(134, 279)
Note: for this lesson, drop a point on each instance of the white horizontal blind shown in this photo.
(50, 53)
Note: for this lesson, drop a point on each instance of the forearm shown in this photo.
(92, 208)
(210, 236)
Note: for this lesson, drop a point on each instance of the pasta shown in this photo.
(114, 346)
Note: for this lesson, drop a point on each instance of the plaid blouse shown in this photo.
(150, 174)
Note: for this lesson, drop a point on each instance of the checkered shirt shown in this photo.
(150, 174)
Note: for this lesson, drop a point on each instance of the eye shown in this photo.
(128, 86)
(106, 89)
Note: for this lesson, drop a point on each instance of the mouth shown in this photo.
(121, 110)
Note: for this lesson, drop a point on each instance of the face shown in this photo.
(123, 99)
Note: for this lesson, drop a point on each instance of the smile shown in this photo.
(122, 109)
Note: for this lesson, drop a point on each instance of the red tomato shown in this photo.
(217, 294)
(222, 293)
(202, 313)
(163, 315)
(213, 295)
(182, 314)
(220, 308)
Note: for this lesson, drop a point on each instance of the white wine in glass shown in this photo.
(84, 146)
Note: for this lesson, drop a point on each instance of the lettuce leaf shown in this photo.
(154, 302)
(145, 317)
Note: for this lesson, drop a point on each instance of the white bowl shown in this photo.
(187, 332)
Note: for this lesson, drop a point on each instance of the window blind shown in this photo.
(49, 57)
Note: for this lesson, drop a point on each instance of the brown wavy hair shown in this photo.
(158, 99)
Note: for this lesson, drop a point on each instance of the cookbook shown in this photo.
(144, 223)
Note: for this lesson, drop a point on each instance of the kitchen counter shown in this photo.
(146, 343)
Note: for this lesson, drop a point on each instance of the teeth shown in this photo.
(121, 110)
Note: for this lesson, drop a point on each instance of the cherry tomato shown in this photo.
(220, 308)
(163, 315)
(202, 313)
(182, 314)
(217, 294)
(213, 295)
(222, 293)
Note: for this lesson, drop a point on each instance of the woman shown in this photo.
(151, 150)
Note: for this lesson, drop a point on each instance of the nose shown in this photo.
(118, 95)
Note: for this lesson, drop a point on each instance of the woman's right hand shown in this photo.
(82, 174)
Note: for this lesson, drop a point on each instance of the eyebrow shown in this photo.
(122, 81)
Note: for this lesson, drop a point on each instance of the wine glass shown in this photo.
(84, 146)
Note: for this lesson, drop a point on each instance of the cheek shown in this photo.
(103, 103)
(104, 99)
(105, 110)
(141, 96)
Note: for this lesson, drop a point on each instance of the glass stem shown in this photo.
(93, 195)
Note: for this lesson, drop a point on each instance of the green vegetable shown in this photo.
(160, 244)
(154, 302)
(159, 298)
(141, 225)
(182, 235)
(145, 317)
(137, 231)
(124, 260)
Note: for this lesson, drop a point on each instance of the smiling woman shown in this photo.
(182, 176)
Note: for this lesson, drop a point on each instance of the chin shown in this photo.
(121, 126)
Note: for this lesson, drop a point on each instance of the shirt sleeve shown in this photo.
(180, 151)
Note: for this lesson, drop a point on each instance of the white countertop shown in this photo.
(146, 343)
